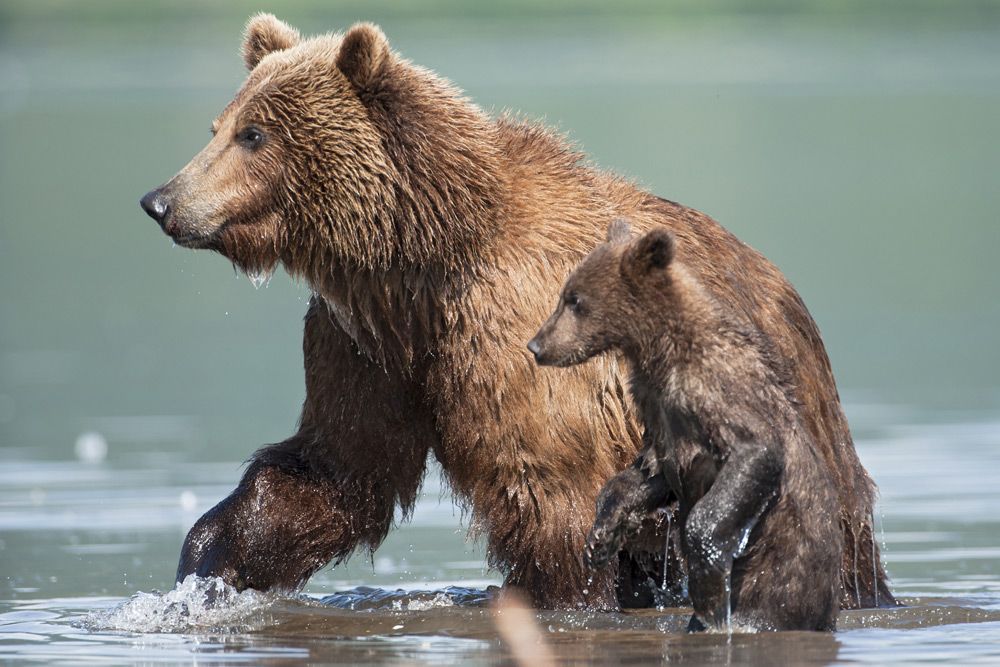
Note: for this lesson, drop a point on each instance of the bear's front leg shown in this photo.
(274, 531)
(623, 503)
(360, 452)
(720, 523)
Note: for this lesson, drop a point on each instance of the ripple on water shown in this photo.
(205, 617)
(371, 598)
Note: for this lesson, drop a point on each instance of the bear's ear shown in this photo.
(619, 231)
(265, 34)
(652, 252)
(363, 53)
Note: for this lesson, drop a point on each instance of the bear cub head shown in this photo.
(607, 298)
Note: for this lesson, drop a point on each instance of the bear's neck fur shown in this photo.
(438, 224)
(681, 322)
(688, 350)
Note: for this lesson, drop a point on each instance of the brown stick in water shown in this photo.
(519, 630)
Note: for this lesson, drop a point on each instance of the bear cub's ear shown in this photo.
(651, 252)
(265, 34)
(619, 231)
(363, 53)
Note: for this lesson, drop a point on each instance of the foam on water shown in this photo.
(195, 604)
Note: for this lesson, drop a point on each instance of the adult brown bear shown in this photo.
(435, 239)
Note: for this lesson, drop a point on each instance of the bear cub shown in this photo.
(723, 440)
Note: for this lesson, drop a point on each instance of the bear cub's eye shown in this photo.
(250, 137)
(572, 301)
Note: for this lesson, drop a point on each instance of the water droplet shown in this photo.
(729, 606)
(260, 277)
(91, 447)
(188, 500)
(871, 530)
(666, 551)
(857, 588)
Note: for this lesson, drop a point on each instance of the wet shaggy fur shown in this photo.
(722, 437)
(435, 238)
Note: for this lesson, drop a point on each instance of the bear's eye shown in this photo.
(250, 137)
(572, 301)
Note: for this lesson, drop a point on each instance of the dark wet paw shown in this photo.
(601, 547)
(695, 625)
(256, 537)
(708, 586)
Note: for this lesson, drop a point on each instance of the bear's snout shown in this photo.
(535, 348)
(155, 204)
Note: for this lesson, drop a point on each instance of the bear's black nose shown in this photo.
(534, 347)
(155, 205)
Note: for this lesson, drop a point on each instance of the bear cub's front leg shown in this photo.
(623, 503)
(719, 526)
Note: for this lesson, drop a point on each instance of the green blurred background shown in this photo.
(856, 144)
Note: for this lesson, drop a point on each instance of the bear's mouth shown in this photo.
(193, 241)
(185, 237)
(573, 358)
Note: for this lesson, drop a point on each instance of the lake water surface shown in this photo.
(77, 537)
(860, 152)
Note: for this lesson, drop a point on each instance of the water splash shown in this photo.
(196, 603)
(439, 600)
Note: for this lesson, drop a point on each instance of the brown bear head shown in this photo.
(335, 152)
(606, 300)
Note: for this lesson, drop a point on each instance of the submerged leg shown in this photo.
(720, 523)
